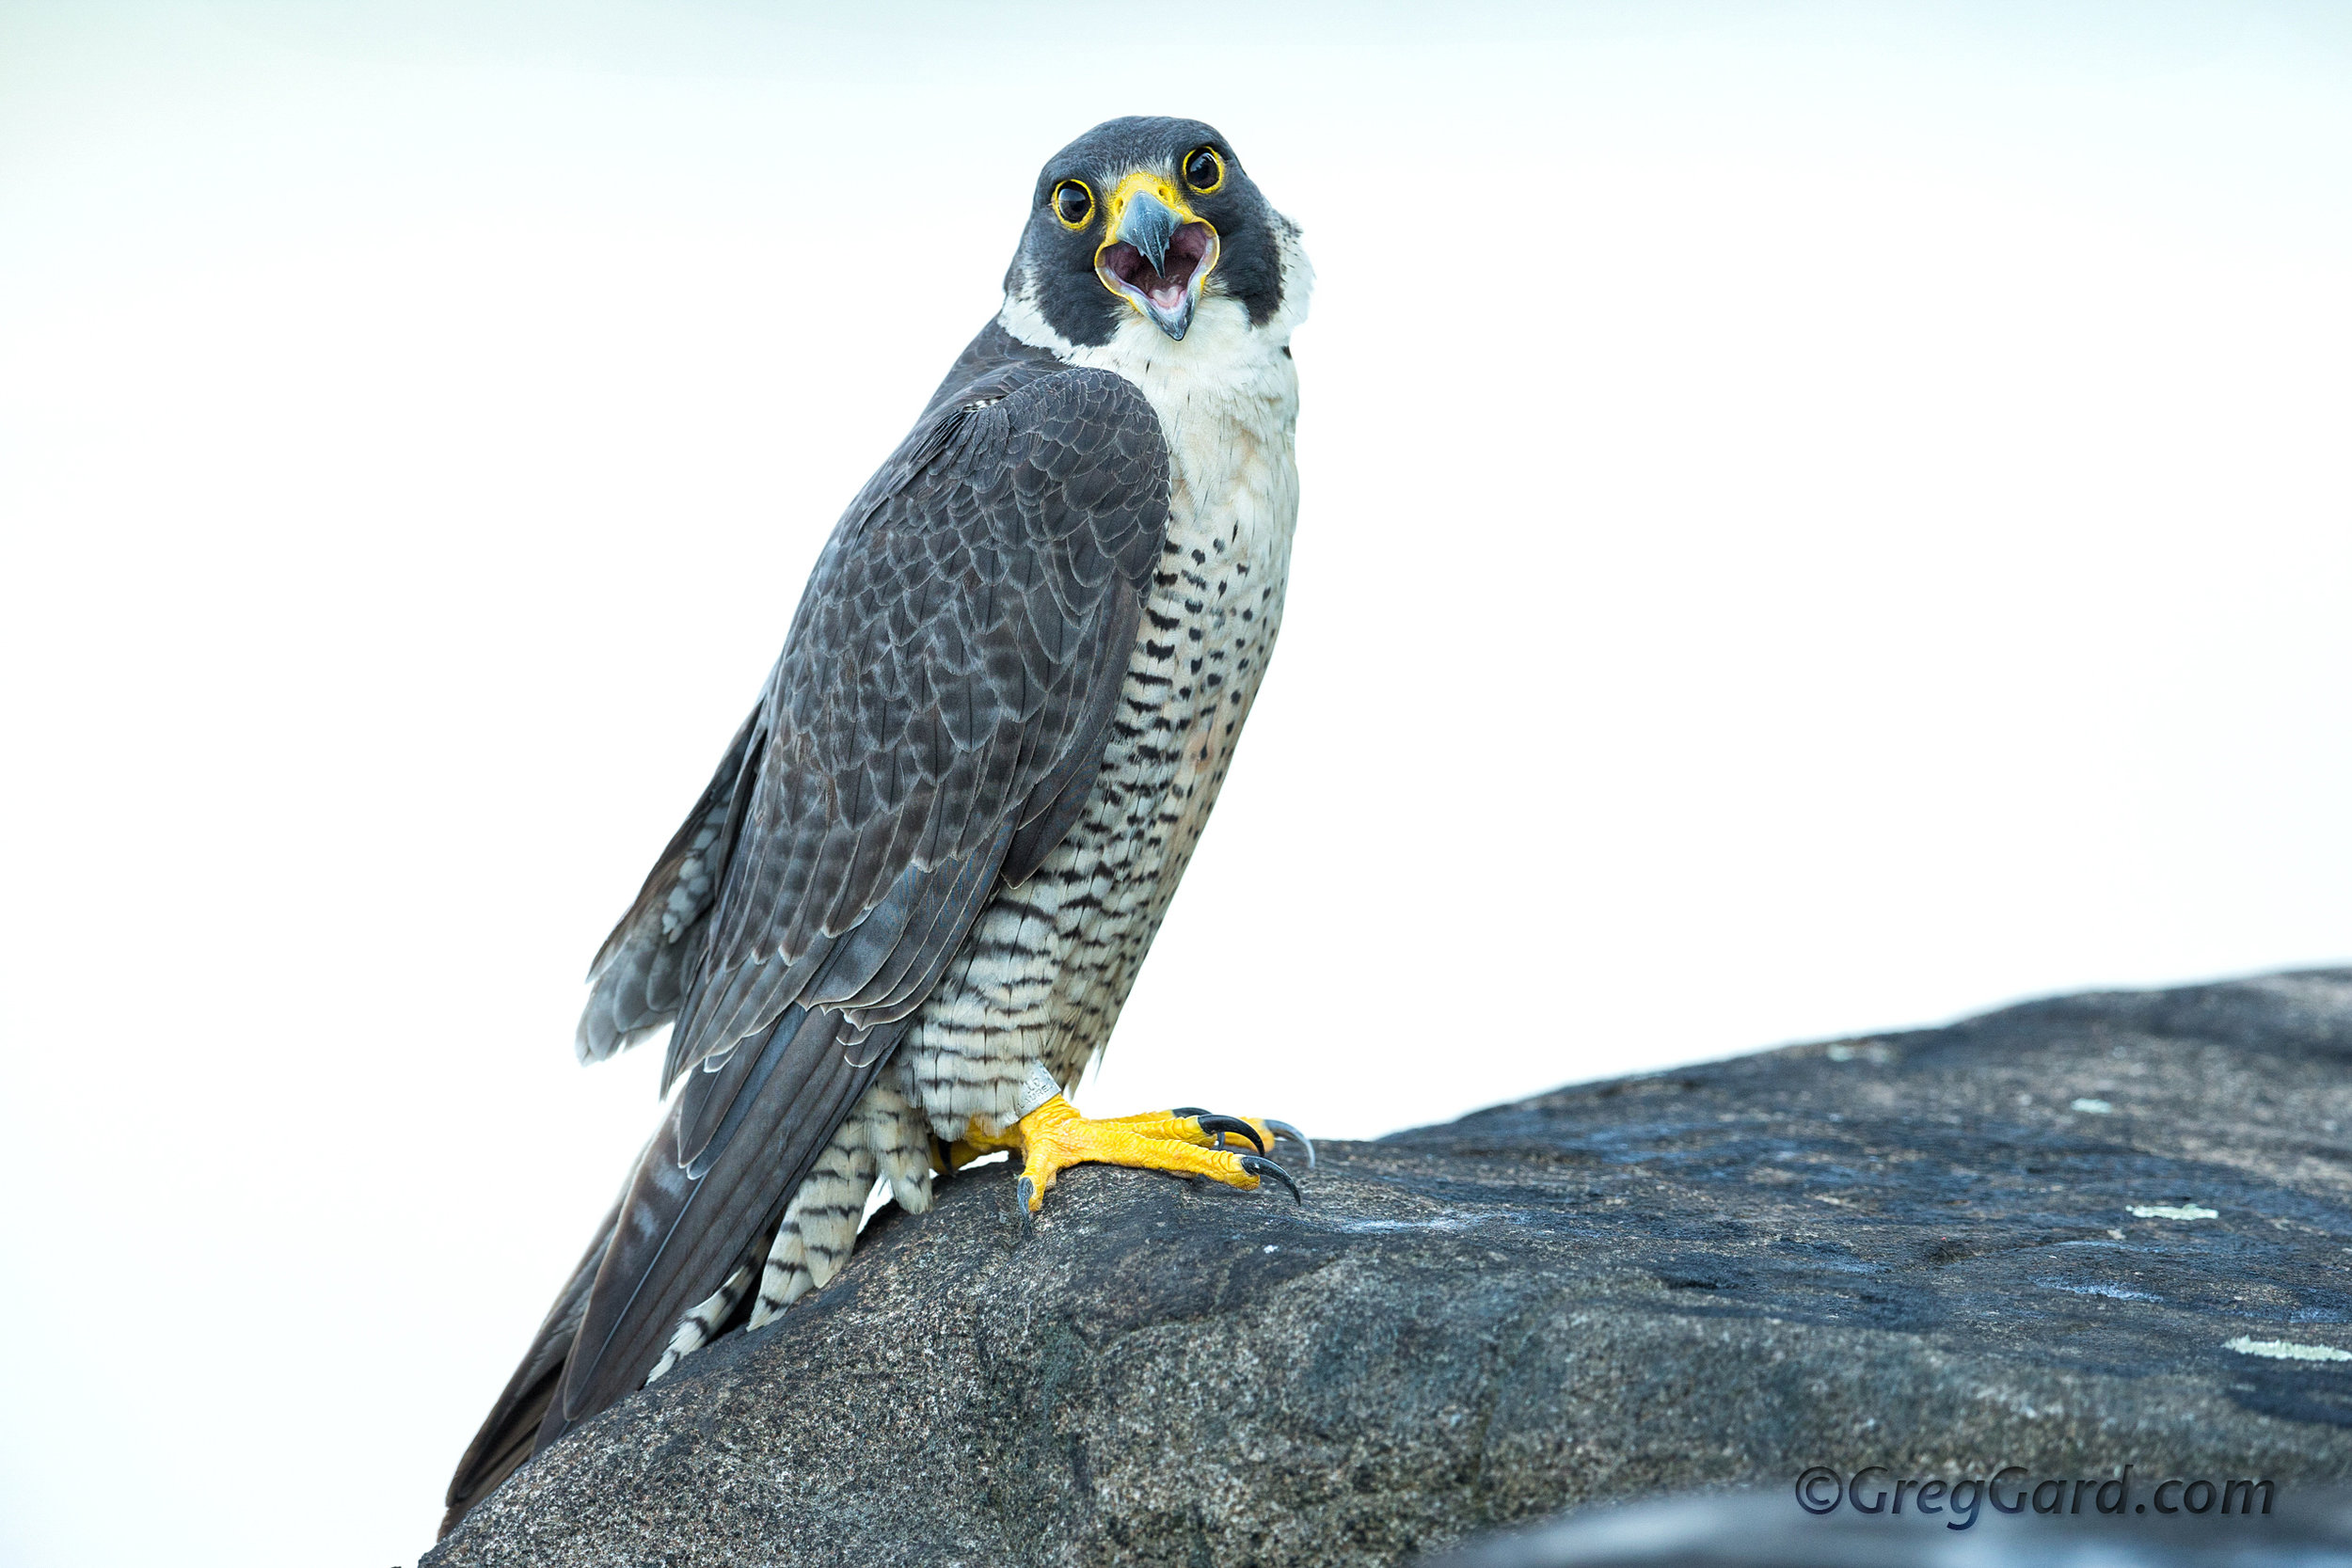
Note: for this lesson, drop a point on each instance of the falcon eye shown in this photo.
(1074, 203)
(1204, 171)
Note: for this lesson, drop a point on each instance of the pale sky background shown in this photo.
(1818, 519)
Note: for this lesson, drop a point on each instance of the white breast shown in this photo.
(1228, 412)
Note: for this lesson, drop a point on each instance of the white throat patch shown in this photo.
(1226, 396)
(1222, 354)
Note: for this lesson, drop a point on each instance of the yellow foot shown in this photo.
(1188, 1141)
(1229, 1137)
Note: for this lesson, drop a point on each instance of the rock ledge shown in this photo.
(1945, 1250)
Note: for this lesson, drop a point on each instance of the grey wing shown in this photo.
(942, 699)
(955, 657)
(640, 973)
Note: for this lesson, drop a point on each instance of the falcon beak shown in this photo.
(1158, 253)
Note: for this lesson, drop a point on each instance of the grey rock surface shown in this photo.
(2030, 1239)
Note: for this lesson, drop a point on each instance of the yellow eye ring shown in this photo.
(1216, 181)
(1062, 202)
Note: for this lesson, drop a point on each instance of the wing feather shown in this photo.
(642, 970)
(933, 726)
(510, 1431)
(680, 1231)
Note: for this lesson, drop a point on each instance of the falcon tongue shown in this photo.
(1161, 280)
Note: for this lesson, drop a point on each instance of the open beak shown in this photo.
(1158, 253)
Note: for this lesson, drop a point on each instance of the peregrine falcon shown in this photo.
(906, 911)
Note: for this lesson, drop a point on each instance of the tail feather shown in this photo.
(511, 1431)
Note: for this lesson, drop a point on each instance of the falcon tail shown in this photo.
(674, 1235)
(511, 1432)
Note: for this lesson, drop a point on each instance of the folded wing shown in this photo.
(937, 718)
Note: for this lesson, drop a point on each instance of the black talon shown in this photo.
(1219, 1126)
(1189, 1110)
(1284, 1130)
(1261, 1167)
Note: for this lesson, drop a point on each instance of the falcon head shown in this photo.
(1151, 221)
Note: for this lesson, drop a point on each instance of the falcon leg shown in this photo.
(700, 1323)
(820, 1228)
(1054, 1136)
